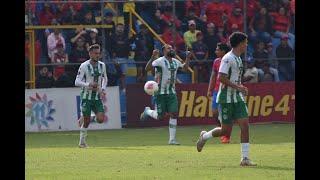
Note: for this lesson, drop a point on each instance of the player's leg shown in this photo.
(225, 139)
(225, 114)
(241, 116)
(98, 108)
(171, 102)
(86, 112)
(158, 112)
(215, 113)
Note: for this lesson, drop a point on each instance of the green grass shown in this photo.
(144, 154)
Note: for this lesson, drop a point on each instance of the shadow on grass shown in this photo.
(259, 167)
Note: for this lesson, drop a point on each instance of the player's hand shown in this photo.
(155, 52)
(243, 89)
(103, 95)
(93, 85)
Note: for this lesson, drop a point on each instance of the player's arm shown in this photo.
(185, 65)
(104, 79)
(79, 79)
(223, 77)
(155, 54)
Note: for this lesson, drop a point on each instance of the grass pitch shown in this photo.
(144, 154)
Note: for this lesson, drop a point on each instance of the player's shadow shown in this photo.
(275, 168)
(122, 148)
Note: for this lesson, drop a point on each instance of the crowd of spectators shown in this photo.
(196, 26)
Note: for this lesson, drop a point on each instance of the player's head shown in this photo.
(239, 40)
(168, 51)
(222, 49)
(94, 52)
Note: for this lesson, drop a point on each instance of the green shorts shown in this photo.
(229, 112)
(166, 103)
(91, 105)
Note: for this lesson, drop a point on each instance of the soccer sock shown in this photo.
(152, 113)
(83, 134)
(208, 135)
(244, 150)
(172, 128)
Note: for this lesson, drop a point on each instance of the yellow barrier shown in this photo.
(32, 72)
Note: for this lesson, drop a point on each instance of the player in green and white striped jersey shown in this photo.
(92, 78)
(230, 97)
(166, 99)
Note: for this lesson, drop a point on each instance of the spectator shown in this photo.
(120, 50)
(216, 12)
(190, 36)
(172, 37)
(234, 28)
(192, 16)
(59, 57)
(92, 38)
(235, 18)
(143, 51)
(260, 54)
(46, 15)
(87, 18)
(285, 64)
(64, 80)
(44, 79)
(80, 32)
(157, 23)
(26, 68)
(170, 18)
(194, 6)
(251, 73)
(79, 54)
(53, 39)
(114, 74)
(281, 26)
(109, 21)
(268, 76)
(211, 40)
(200, 53)
(71, 16)
(260, 27)
(223, 37)
(61, 12)
(272, 56)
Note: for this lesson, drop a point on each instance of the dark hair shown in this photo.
(236, 38)
(223, 47)
(95, 46)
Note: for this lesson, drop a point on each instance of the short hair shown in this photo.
(92, 47)
(223, 47)
(120, 24)
(236, 38)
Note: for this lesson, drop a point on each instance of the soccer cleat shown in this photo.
(83, 145)
(201, 142)
(173, 142)
(225, 139)
(143, 115)
(247, 162)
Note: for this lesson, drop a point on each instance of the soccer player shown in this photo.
(92, 78)
(166, 98)
(214, 84)
(230, 98)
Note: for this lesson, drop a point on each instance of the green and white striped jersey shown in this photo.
(233, 67)
(166, 74)
(87, 74)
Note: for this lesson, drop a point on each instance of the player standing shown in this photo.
(166, 98)
(214, 84)
(92, 78)
(230, 97)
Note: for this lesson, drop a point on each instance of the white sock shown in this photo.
(172, 128)
(207, 135)
(152, 113)
(83, 135)
(244, 150)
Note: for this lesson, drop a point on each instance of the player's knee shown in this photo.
(173, 115)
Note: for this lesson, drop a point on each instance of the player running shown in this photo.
(166, 98)
(214, 84)
(92, 79)
(230, 97)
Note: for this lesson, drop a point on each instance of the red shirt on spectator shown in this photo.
(214, 13)
(59, 57)
(215, 68)
(252, 8)
(169, 18)
(280, 22)
(238, 20)
(45, 17)
(167, 36)
(196, 6)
